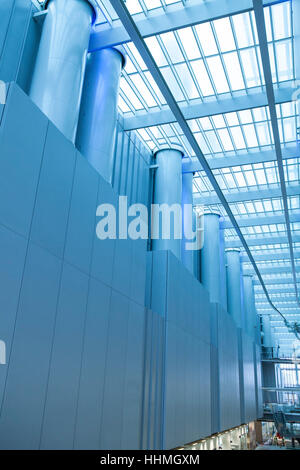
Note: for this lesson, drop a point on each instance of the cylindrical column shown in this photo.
(59, 70)
(167, 213)
(210, 256)
(98, 114)
(249, 306)
(223, 282)
(187, 256)
(267, 341)
(234, 285)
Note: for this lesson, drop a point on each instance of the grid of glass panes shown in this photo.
(228, 134)
(257, 176)
(209, 59)
(260, 207)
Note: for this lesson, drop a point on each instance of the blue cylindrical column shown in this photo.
(187, 256)
(99, 110)
(210, 256)
(249, 306)
(267, 340)
(223, 275)
(59, 70)
(168, 192)
(234, 285)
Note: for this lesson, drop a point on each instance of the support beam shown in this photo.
(198, 109)
(174, 17)
(266, 63)
(279, 282)
(263, 220)
(273, 270)
(241, 158)
(243, 196)
(261, 241)
(280, 291)
(284, 304)
(270, 257)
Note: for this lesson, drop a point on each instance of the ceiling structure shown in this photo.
(213, 58)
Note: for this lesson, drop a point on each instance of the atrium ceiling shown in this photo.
(210, 56)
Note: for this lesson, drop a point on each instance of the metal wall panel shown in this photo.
(228, 372)
(12, 254)
(92, 376)
(25, 391)
(15, 19)
(64, 374)
(22, 138)
(249, 379)
(52, 207)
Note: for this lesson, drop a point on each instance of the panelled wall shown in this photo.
(108, 346)
(72, 307)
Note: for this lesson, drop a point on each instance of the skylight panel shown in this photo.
(206, 39)
(289, 129)
(189, 43)
(187, 80)
(226, 140)
(234, 71)
(205, 123)
(122, 105)
(284, 60)
(250, 67)
(143, 89)
(134, 6)
(172, 47)
(240, 179)
(173, 84)
(126, 88)
(281, 20)
(272, 178)
(230, 181)
(238, 138)
(250, 135)
(154, 87)
(263, 132)
(135, 53)
(213, 141)
(156, 51)
(218, 74)
(232, 119)
(251, 181)
(224, 34)
(243, 31)
(152, 4)
(202, 77)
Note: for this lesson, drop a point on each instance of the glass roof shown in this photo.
(217, 66)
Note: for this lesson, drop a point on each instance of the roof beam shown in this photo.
(161, 21)
(197, 109)
(241, 158)
(280, 291)
(270, 257)
(243, 196)
(260, 241)
(272, 270)
(259, 220)
(285, 304)
(276, 282)
(266, 63)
